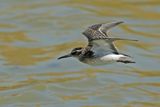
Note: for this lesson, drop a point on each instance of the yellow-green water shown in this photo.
(33, 33)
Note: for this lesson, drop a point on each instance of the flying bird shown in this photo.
(100, 49)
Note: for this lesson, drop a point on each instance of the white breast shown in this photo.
(107, 59)
(111, 57)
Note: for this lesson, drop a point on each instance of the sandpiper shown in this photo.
(100, 49)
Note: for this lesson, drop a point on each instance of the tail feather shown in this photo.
(126, 59)
(126, 62)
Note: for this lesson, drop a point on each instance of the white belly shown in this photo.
(108, 59)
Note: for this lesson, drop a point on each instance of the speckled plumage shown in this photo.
(100, 48)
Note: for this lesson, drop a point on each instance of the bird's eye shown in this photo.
(73, 53)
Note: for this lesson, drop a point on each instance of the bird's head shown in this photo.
(74, 53)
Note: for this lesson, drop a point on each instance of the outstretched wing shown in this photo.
(97, 36)
(99, 41)
(99, 31)
(106, 26)
(102, 47)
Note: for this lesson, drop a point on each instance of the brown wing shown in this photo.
(99, 40)
(99, 32)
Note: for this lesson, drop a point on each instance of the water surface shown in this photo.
(34, 33)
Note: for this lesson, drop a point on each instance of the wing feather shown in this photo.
(99, 40)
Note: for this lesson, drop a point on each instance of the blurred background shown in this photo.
(33, 33)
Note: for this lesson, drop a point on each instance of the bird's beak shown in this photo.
(65, 56)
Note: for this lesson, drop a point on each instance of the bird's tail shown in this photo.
(126, 59)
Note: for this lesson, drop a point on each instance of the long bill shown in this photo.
(65, 56)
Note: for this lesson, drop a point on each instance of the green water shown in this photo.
(33, 33)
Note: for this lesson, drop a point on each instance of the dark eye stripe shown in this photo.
(74, 52)
(78, 48)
